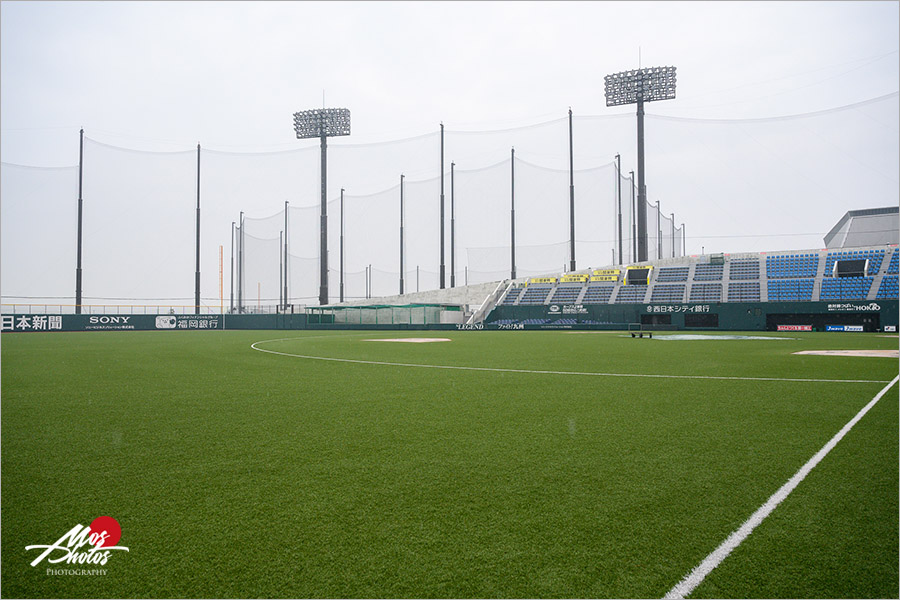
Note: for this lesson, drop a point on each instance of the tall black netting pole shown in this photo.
(659, 245)
(401, 235)
(619, 203)
(241, 265)
(287, 300)
(452, 228)
(231, 277)
(280, 270)
(512, 214)
(673, 235)
(197, 272)
(633, 221)
(80, 206)
(442, 268)
(571, 198)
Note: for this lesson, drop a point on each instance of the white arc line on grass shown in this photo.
(541, 372)
(699, 573)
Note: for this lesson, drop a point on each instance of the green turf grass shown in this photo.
(236, 473)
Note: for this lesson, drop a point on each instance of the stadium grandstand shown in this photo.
(727, 291)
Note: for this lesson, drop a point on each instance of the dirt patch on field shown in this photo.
(410, 340)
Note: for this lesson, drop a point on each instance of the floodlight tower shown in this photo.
(636, 87)
(322, 123)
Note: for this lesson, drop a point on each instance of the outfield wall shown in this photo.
(729, 316)
(877, 315)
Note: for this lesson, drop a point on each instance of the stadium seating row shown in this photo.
(666, 293)
(892, 267)
(706, 292)
(672, 274)
(791, 290)
(598, 294)
(708, 272)
(631, 294)
(744, 269)
(846, 288)
(567, 293)
(792, 265)
(791, 278)
(747, 291)
(535, 294)
(511, 296)
(888, 288)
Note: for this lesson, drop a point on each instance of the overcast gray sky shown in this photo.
(230, 74)
(167, 75)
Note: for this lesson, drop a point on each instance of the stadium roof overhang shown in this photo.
(866, 227)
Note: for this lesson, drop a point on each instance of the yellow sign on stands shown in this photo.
(573, 279)
(604, 277)
(542, 280)
(606, 272)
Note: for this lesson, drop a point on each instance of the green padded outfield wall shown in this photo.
(875, 315)
(44, 322)
(727, 316)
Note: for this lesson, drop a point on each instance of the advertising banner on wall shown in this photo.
(843, 328)
(42, 322)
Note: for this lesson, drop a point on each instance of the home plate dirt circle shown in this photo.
(410, 340)
(869, 353)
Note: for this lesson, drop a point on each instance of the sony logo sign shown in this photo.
(105, 320)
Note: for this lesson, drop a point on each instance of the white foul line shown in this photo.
(541, 372)
(699, 573)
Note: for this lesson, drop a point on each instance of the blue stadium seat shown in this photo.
(535, 294)
(598, 294)
(708, 292)
(631, 294)
(672, 274)
(790, 290)
(667, 293)
(888, 288)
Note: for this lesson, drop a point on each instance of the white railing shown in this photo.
(489, 302)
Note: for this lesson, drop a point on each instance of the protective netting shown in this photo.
(743, 185)
(478, 209)
(37, 233)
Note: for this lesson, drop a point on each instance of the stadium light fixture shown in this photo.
(636, 87)
(322, 123)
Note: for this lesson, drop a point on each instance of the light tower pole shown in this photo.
(636, 87)
(322, 123)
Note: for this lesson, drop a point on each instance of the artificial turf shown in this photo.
(237, 473)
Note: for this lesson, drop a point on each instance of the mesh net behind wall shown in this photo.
(38, 234)
(139, 226)
(793, 176)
